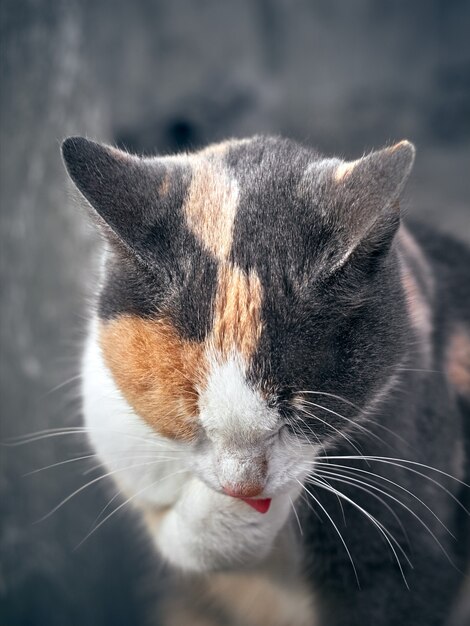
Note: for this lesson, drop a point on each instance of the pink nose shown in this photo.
(246, 490)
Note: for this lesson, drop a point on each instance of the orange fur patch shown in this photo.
(404, 143)
(458, 361)
(165, 185)
(160, 374)
(255, 600)
(237, 319)
(156, 370)
(418, 308)
(211, 205)
(344, 170)
(418, 298)
(413, 252)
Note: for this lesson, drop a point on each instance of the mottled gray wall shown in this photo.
(155, 76)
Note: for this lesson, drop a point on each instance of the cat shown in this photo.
(278, 375)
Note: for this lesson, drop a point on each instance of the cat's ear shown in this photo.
(126, 191)
(367, 193)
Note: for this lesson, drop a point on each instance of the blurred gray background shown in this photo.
(157, 77)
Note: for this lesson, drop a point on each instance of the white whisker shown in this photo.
(354, 424)
(336, 529)
(362, 412)
(399, 462)
(345, 479)
(59, 432)
(350, 480)
(342, 434)
(124, 504)
(395, 484)
(46, 467)
(384, 531)
(296, 516)
(83, 487)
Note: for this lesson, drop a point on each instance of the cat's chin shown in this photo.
(207, 531)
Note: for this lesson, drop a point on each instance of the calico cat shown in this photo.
(278, 373)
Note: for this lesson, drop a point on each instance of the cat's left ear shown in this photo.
(130, 195)
(366, 195)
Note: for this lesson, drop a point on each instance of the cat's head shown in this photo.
(251, 304)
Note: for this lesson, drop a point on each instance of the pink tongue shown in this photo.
(261, 505)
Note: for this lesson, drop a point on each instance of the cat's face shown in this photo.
(247, 287)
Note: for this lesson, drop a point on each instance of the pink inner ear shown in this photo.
(261, 505)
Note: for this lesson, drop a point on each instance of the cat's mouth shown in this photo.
(259, 504)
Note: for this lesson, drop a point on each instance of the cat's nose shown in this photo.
(242, 474)
(243, 490)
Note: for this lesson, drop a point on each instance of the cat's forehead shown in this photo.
(260, 164)
(242, 194)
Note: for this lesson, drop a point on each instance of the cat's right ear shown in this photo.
(126, 191)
